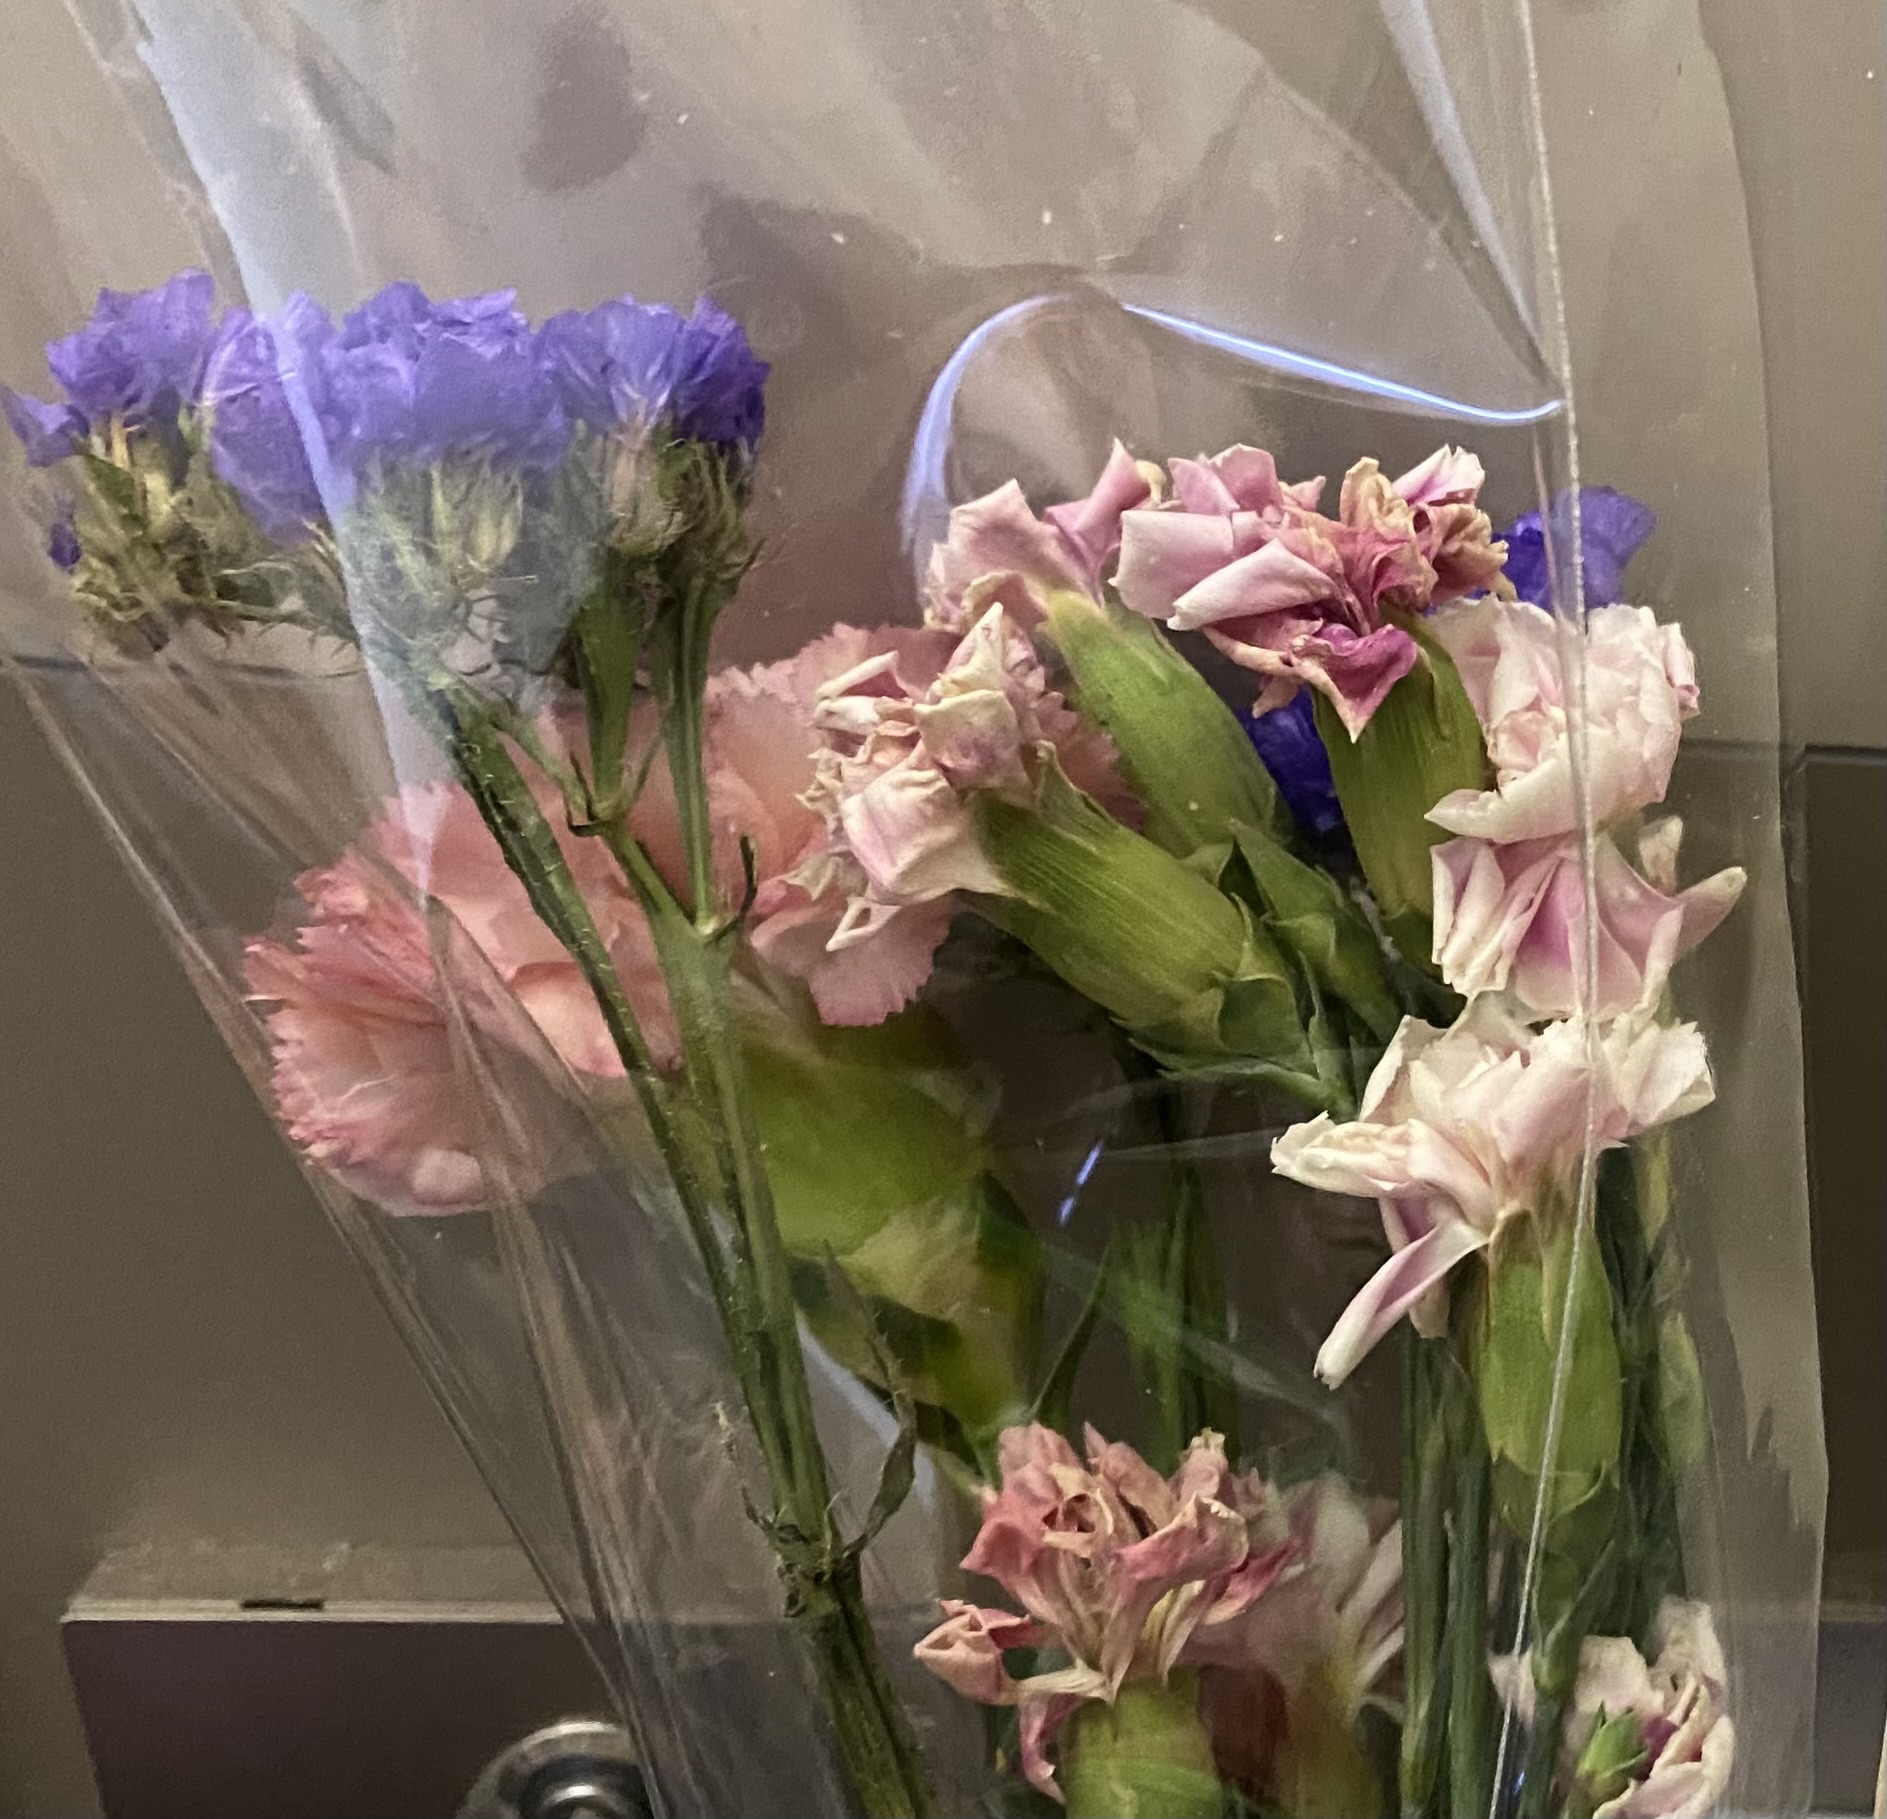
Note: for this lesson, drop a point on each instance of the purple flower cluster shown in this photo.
(299, 409)
(1612, 528)
(140, 359)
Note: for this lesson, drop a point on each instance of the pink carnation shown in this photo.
(1513, 917)
(1463, 1129)
(1125, 1573)
(1640, 688)
(365, 1078)
(763, 756)
(1299, 597)
(998, 549)
(908, 745)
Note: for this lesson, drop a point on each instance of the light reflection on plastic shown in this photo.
(1065, 1211)
(1265, 354)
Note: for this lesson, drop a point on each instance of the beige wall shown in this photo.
(184, 1351)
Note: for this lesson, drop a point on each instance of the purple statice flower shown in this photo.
(623, 363)
(720, 389)
(48, 432)
(1287, 741)
(1612, 527)
(62, 540)
(408, 379)
(271, 415)
(139, 359)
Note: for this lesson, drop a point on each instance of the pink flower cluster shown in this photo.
(1301, 598)
(1228, 549)
(1125, 1573)
(364, 1074)
(1464, 1129)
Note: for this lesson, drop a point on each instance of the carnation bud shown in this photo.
(1177, 962)
(1186, 756)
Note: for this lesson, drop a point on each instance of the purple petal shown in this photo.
(141, 354)
(48, 432)
(1613, 526)
(1287, 741)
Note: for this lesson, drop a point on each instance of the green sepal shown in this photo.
(1514, 1341)
(1421, 743)
(1191, 764)
(1310, 914)
(1180, 965)
(1144, 1756)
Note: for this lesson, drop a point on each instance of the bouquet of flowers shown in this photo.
(681, 983)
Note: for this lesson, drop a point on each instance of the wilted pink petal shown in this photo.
(1354, 674)
(997, 535)
(1450, 476)
(965, 1651)
(1090, 527)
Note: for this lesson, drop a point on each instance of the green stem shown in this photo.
(752, 1290)
(1471, 1710)
(1425, 1481)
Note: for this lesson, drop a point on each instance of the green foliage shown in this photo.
(877, 1151)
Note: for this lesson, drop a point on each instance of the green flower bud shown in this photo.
(1179, 964)
(1614, 1757)
(1187, 757)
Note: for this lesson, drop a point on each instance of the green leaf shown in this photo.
(1423, 742)
(1312, 915)
(1054, 1401)
(1182, 749)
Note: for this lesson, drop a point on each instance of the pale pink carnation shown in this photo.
(906, 750)
(1126, 1574)
(1640, 688)
(998, 549)
(1513, 917)
(1324, 1643)
(1680, 1700)
(365, 1077)
(1463, 1129)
